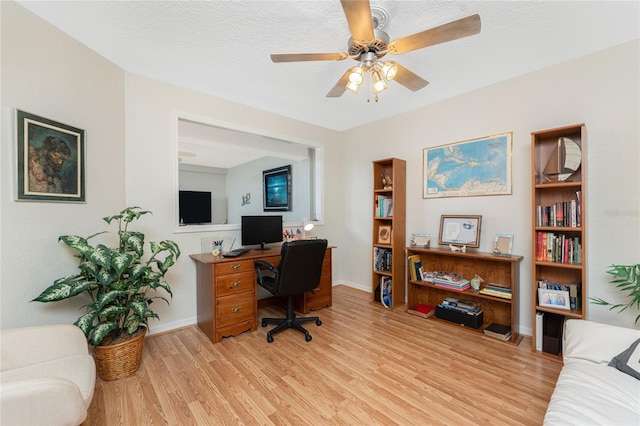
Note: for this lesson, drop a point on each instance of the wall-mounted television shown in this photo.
(195, 207)
(261, 230)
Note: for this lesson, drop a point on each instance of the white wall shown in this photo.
(601, 90)
(47, 73)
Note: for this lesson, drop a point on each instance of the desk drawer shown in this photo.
(235, 308)
(235, 283)
(234, 267)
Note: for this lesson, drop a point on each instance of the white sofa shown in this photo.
(47, 376)
(589, 391)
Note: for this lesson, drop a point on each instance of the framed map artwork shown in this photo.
(470, 168)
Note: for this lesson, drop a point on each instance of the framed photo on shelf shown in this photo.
(384, 235)
(460, 231)
(558, 299)
(420, 240)
(503, 245)
(277, 189)
(50, 160)
(470, 168)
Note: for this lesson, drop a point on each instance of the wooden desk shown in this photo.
(227, 292)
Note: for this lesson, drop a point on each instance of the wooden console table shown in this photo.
(227, 292)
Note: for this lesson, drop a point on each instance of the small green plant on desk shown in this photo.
(627, 279)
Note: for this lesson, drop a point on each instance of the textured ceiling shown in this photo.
(222, 47)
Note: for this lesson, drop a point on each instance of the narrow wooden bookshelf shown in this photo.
(497, 270)
(389, 200)
(558, 230)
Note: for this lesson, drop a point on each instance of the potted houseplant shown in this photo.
(121, 286)
(627, 279)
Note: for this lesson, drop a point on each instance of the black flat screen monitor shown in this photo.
(195, 207)
(261, 230)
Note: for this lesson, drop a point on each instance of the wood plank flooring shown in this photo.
(366, 365)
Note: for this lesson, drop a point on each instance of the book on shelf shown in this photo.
(412, 269)
(496, 290)
(452, 286)
(539, 325)
(385, 291)
(383, 206)
(422, 310)
(382, 259)
(560, 214)
(558, 248)
(498, 331)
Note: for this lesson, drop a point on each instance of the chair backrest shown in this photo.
(300, 266)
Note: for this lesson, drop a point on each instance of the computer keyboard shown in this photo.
(235, 253)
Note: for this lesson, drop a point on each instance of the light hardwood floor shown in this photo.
(366, 365)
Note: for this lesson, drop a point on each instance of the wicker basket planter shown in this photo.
(120, 360)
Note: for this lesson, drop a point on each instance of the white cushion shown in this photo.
(594, 394)
(79, 370)
(596, 342)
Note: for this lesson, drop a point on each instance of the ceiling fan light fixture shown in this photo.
(389, 70)
(356, 75)
(351, 86)
(378, 83)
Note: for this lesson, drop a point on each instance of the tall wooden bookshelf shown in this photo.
(558, 229)
(389, 222)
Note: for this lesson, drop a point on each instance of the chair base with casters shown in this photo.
(299, 271)
(291, 321)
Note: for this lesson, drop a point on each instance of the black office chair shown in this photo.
(298, 272)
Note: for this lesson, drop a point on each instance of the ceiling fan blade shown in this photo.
(299, 57)
(452, 31)
(340, 86)
(409, 80)
(358, 13)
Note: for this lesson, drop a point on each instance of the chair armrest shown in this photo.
(259, 264)
(42, 401)
(20, 347)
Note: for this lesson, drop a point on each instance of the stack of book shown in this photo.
(498, 331)
(451, 281)
(496, 290)
(422, 310)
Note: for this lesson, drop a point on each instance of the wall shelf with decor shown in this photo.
(389, 222)
(497, 271)
(558, 234)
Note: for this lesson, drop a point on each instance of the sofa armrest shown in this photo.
(595, 342)
(41, 401)
(20, 347)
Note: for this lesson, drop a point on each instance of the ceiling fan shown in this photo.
(369, 44)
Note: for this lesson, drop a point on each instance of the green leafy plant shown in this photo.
(117, 280)
(627, 279)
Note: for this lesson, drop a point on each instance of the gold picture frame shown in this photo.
(460, 230)
(384, 234)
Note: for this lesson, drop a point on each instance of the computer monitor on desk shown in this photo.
(261, 230)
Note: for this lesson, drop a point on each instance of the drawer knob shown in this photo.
(235, 284)
(236, 309)
(235, 267)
